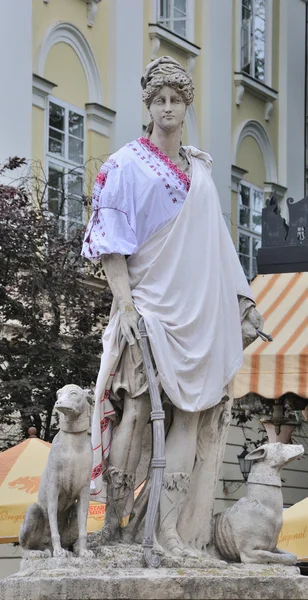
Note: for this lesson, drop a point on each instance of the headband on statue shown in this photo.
(166, 71)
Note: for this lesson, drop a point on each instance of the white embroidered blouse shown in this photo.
(137, 191)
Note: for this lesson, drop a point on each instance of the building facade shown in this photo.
(72, 96)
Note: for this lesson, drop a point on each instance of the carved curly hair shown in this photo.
(166, 71)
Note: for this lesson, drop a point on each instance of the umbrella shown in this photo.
(21, 468)
(294, 532)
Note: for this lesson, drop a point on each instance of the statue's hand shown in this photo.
(129, 323)
(252, 322)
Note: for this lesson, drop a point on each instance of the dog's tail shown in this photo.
(223, 538)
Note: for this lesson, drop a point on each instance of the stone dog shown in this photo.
(248, 531)
(57, 522)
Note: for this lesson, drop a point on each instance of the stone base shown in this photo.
(109, 577)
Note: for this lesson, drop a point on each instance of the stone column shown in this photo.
(291, 99)
(216, 93)
(16, 79)
(125, 67)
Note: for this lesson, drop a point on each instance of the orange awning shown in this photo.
(21, 468)
(272, 369)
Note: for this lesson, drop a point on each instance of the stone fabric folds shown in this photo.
(185, 282)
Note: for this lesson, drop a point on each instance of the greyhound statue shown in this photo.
(248, 531)
(57, 522)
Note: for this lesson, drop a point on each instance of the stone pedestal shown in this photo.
(117, 575)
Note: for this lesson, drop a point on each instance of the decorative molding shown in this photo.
(255, 130)
(92, 7)
(92, 11)
(69, 34)
(158, 32)
(239, 93)
(274, 188)
(155, 45)
(258, 89)
(268, 110)
(41, 88)
(237, 174)
(99, 118)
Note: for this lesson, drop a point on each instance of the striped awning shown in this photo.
(272, 369)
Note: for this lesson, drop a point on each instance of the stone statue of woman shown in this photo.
(158, 229)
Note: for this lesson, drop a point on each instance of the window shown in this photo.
(251, 202)
(65, 163)
(174, 15)
(253, 38)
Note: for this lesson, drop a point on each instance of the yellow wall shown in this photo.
(252, 107)
(72, 86)
(75, 12)
(250, 157)
(38, 136)
(64, 69)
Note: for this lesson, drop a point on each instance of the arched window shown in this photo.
(250, 204)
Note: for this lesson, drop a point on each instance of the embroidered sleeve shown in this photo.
(111, 228)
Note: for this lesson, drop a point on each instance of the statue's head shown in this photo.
(166, 77)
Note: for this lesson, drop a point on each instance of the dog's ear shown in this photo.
(257, 454)
(89, 394)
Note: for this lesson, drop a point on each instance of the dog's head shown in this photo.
(276, 455)
(73, 400)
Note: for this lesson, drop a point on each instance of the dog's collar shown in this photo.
(70, 426)
(274, 481)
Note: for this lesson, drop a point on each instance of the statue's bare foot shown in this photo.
(60, 553)
(86, 553)
(110, 534)
(173, 544)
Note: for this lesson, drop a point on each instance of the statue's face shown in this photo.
(168, 109)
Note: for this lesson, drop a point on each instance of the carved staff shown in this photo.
(158, 462)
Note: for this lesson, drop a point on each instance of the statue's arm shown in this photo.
(251, 320)
(115, 268)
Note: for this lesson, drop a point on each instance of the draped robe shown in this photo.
(185, 278)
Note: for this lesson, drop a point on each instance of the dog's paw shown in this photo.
(60, 553)
(86, 554)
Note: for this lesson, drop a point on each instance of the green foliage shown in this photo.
(50, 320)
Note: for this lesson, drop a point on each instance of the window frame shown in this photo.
(248, 231)
(251, 42)
(268, 44)
(190, 15)
(64, 162)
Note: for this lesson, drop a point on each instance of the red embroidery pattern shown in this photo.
(100, 183)
(106, 395)
(104, 424)
(96, 493)
(165, 159)
(97, 471)
(101, 179)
